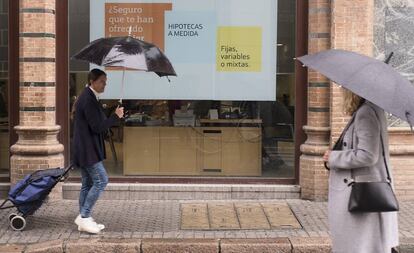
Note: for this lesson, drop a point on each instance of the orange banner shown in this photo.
(146, 21)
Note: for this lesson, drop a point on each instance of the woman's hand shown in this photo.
(119, 111)
(326, 155)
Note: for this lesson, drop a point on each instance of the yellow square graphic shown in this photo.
(239, 49)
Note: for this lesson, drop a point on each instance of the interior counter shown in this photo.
(192, 151)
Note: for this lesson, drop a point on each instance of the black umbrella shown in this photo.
(127, 53)
(367, 77)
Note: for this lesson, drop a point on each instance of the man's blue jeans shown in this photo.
(94, 181)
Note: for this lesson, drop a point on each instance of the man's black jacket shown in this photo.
(90, 126)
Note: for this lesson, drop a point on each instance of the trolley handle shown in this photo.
(67, 169)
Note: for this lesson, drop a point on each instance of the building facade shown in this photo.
(272, 134)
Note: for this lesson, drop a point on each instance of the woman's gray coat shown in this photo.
(361, 154)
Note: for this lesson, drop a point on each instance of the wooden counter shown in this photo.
(215, 151)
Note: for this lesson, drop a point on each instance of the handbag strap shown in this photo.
(383, 148)
(340, 139)
(338, 143)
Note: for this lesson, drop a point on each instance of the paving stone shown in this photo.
(209, 235)
(280, 245)
(406, 245)
(261, 234)
(310, 245)
(147, 235)
(194, 216)
(157, 235)
(137, 234)
(103, 245)
(55, 246)
(223, 216)
(188, 234)
(252, 216)
(126, 234)
(6, 248)
(280, 215)
(180, 245)
(5, 238)
(251, 234)
(199, 235)
(170, 235)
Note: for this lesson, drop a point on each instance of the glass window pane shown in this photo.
(182, 127)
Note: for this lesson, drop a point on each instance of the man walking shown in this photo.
(90, 125)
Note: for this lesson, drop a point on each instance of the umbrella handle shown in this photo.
(409, 122)
(389, 58)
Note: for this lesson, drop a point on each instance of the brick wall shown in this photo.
(37, 146)
(352, 29)
(313, 175)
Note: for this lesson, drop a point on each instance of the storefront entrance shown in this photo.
(193, 135)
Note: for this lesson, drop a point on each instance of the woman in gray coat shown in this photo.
(361, 159)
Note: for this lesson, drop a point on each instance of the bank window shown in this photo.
(4, 84)
(230, 110)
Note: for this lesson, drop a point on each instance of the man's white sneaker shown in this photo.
(101, 226)
(77, 220)
(87, 225)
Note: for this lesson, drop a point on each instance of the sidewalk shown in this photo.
(145, 226)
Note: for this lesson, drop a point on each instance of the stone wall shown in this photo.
(394, 32)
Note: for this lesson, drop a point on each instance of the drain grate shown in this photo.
(233, 216)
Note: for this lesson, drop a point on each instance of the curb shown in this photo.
(96, 245)
(282, 245)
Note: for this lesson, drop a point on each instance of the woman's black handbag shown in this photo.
(373, 196)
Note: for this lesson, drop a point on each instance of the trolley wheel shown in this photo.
(11, 216)
(18, 223)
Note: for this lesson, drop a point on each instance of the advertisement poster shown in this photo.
(220, 50)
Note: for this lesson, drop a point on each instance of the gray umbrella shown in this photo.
(367, 77)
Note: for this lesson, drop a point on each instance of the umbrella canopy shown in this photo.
(367, 77)
(126, 52)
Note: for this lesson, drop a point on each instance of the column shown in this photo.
(37, 146)
(313, 175)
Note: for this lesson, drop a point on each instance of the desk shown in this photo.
(192, 151)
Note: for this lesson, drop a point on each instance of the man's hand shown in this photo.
(119, 111)
(326, 155)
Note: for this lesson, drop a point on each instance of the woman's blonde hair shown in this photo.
(351, 101)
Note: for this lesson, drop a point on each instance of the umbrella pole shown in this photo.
(122, 86)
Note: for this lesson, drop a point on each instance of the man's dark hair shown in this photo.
(94, 75)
